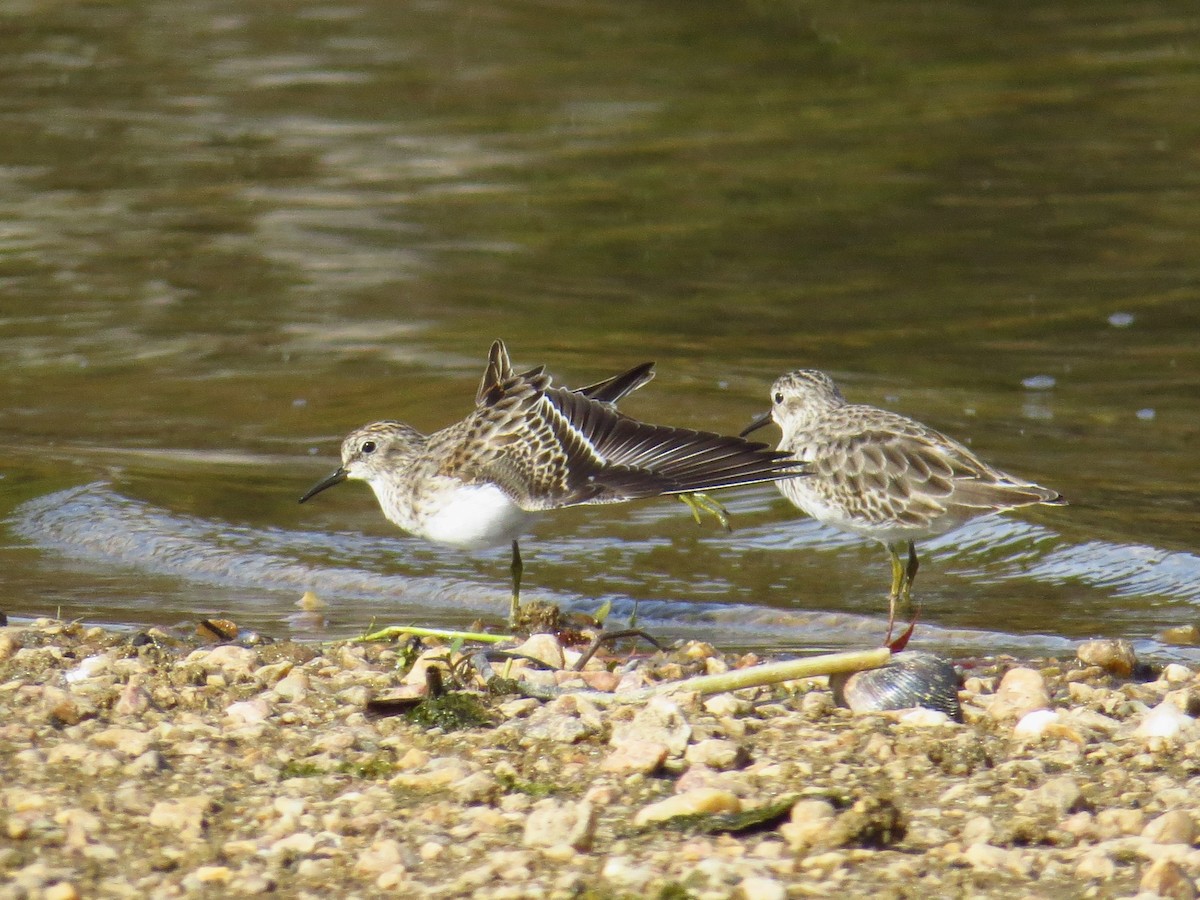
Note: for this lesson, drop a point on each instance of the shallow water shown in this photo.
(230, 234)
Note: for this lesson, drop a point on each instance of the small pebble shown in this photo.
(810, 819)
(1022, 690)
(717, 754)
(552, 823)
(1165, 721)
(635, 756)
(1173, 827)
(1181, 635)
(1166, 878)
(1116, 657)
(757, 888)
(701, 800)
(660, 721)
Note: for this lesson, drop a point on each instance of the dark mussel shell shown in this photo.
(910, 679)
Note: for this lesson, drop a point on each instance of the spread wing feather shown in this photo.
(552, 446)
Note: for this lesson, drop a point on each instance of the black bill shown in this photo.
(336, 478)
(761, 421)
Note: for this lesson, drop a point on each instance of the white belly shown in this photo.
(473, 516)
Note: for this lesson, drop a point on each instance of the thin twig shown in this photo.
(392, 631)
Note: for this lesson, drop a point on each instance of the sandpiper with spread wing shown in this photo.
(530, 446)
(883, 475)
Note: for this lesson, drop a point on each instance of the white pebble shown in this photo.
(87, 668)
(1034, 724)
(1165, 721)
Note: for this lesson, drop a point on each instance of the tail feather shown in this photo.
(999, 494)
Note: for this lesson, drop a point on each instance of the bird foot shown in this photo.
(702, 503)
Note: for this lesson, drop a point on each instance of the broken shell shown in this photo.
(909, 679)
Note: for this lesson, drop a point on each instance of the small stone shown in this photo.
(236, 663)
(553, 822)
(272, 673)
(1174, 673)
(978, 830)
(717, 754)
(247, 712)
(543, 647)
(1021, 691)
(921, 717)
(126, 741)
(293, 688)
(1173, 827)
(1033, 726)
(516, 709)
(987, 858)
(1187, 699)
(727, 705)
(621, 872)
(146, 764)
(1113, 656)
(809, 820)
(1060, 795)
(299, 844)
(413, 758)
(417, 675)
(604, 681)
(660, 721)
(184, 816)
(873, 821)
(817, 704)
(1115, 822)
(1166, 878)
(89, 667)
(384, 855)
(701, 801)
(62, 890)
(1181, 636)
(62, 708)
(757, 888)
(478, 787)
(133, 701)
(213, 874)
(8, 645)
(1095, 865)
(439, 772)
(1166, 721)
(633, 756)
(549, 724)
(17, 828)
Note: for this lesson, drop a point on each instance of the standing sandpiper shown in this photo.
(882, 475)
(529, 446)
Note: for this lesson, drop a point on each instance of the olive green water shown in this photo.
(231, 232)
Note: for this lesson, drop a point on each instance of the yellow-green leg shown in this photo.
(517, 569)
(901, 593)
(902, 581)
(702, 503)
(910, 574)
(897, 587)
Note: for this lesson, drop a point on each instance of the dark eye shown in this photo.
(779, 396)
(367, 447)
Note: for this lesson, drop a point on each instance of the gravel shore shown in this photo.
(153, 765)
